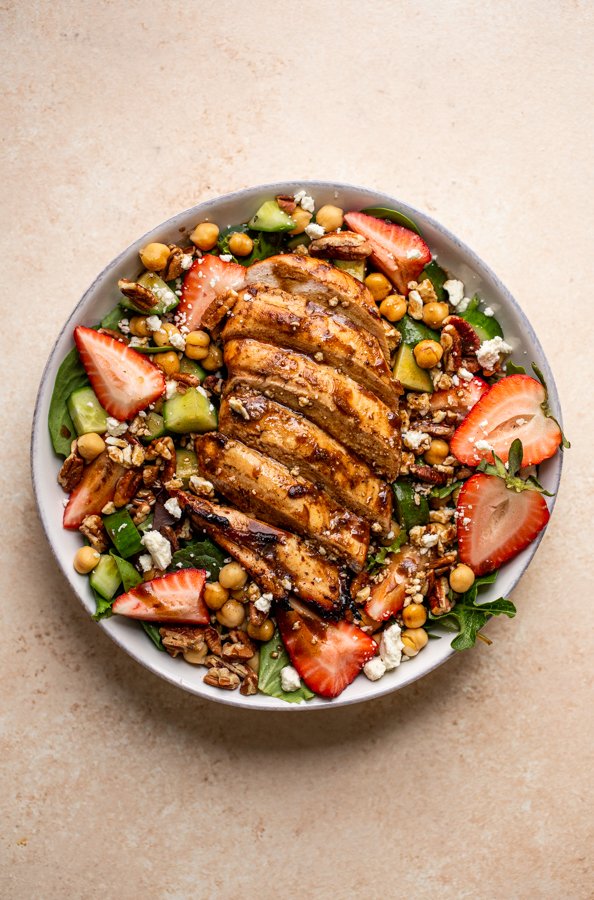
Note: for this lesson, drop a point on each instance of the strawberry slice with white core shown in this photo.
(172, 598)
(397, 251)
(327, 655)
(496, 523)
(208, 278)
(124, 381)
(513, 408)
(462, 398)
(94, 490)
(387, 596)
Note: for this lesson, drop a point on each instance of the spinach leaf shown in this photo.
(374, 563)
(512, 369)
(113, 318)
(103, 607)
(467, 617)
(265, 244)
(273, 658)
(153, 633)
(445, 490)
(71, 376)
(199, 555)
(437, 276)
(130, 577)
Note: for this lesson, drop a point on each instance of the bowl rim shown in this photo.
(210, 205)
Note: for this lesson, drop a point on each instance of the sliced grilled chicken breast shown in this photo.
(335, 402)
(290, 438)
(264, 487)
(278, 561)
(323, 283)
(297, 322)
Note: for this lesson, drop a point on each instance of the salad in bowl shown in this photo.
(295, 450)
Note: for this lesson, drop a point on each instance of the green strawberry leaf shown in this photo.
(468, 618)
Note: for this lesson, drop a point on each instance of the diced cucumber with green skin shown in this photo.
(409, 374)
(191, 367)
(105, 577)
(487, 327)
(408, 513)
(186, 465)
(124, 534)
(165, 298)
(191, 411)
(437, 276)
(155, 426)
(86, 412)
(354, 267)
(413, 332)
(270, 217)
(381, 212)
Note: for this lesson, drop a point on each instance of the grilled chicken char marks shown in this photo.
(324, 284)
(292, 439)
(299, 323)
(264, 487)
(280, 562)
(333, 401)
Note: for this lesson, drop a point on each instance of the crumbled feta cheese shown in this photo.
(115, 428)
(314, 231)
(158, 547)
(455, 290)
(264, 603)
(153, 323)
(177, 341)
(416, 440)
(429, 540)
(489, 353)
(201, 486)
(186, 261)
(306, 202)
(124, 326)
(226, 257)
(488, 311)
(137, 341)
(170, 389)
(290, 680)
(483, 445)
(238, 407)
(465, 374)
(391, 647)
(145, 562)
(375, 668)
(173, 508)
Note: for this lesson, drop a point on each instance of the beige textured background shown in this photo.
(476, 781)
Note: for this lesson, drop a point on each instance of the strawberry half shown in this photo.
(94, 490)
(496, 523)
(460, 399)
(208, 278)
(172, 598)
(397, 251)
(515, 407)
(327, 655)
(387, 596)
(124, 381)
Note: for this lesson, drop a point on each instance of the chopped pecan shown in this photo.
(340, 245)
(471, 364)
(249, 685)
(126, 487)
(175, 264)
(439, 602)
(301, 250)
(222, 678)
(150, 474)
(114, 334)
(168, 532)
(93, 529)
(469, 339)
(185, 378)
(140, 296)
(140, 510)
(286, 203)
(181, 638)
(213, 640)
(238, 646)
(162, 447)
(213, 384)
(71, 472)
(428, 474)
(435, 429)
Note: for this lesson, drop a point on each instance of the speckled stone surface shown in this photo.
(476, 781)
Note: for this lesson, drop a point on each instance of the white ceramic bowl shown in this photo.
(103, 295)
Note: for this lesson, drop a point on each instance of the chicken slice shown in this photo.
(263, 487)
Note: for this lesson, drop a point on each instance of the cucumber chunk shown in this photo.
(191, 411)
(86, 412)
(413, 332)
(123, 533)
(155, 425)
(354, 267)
(270, 217)
(105, 577)
(191, 367)
(186, 465)
(437, 276)
(409, 374)
(408, 513)
(165, 298)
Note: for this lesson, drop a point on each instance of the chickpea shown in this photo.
(428, 354)
(232, 576)
(90, 445)
(138, 326)
(231, 614)
(301, 218)
(197, 345)
(434, 313)
(437, 452)
(85, 560)
(205, 235)
(213, 359)
(263, 632)
(215, 595)
(240, 244)
(414, 639)
(414, 615)
(154, 256)
(461, 578)
(169, 362)
(393, 308)
(330, 218)
(162, 337)
(378, 285)
(196, 657)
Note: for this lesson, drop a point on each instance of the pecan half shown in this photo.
(150, 474)
(340, 245)
(174, 267)
(127, 487)
(222, 678)
(93, 529)
(286, 203)
(249, 685)
(71, 472)
(185, 378)
(168, 532)
(238, 646)
(428, 474)
(213, 640)
(181, 638)
(439, 602)
(140, 296)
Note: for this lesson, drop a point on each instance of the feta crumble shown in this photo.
(488, 311)
(374, 668)
(170, 389)
(145, 562)
(153, 323)
(290, 680)
(173, 508)
(483, 445)
(186, 261)
(178, 342)
(115, 428)
(124, 326)
(314, 231)
(303, 199)
(226, 257)
(416, 440)
(263, 603)
(158, 547)
(465, 374)
(391, 647)
(490, 352)
(455, 290)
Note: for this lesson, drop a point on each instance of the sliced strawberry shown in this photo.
(513, 408)
(398, 252)
(387, 596)
(496, 523)
(208, 278)
(327, 655)
(124, 380)
(460, 399)
(94, 490)
(171, 598)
